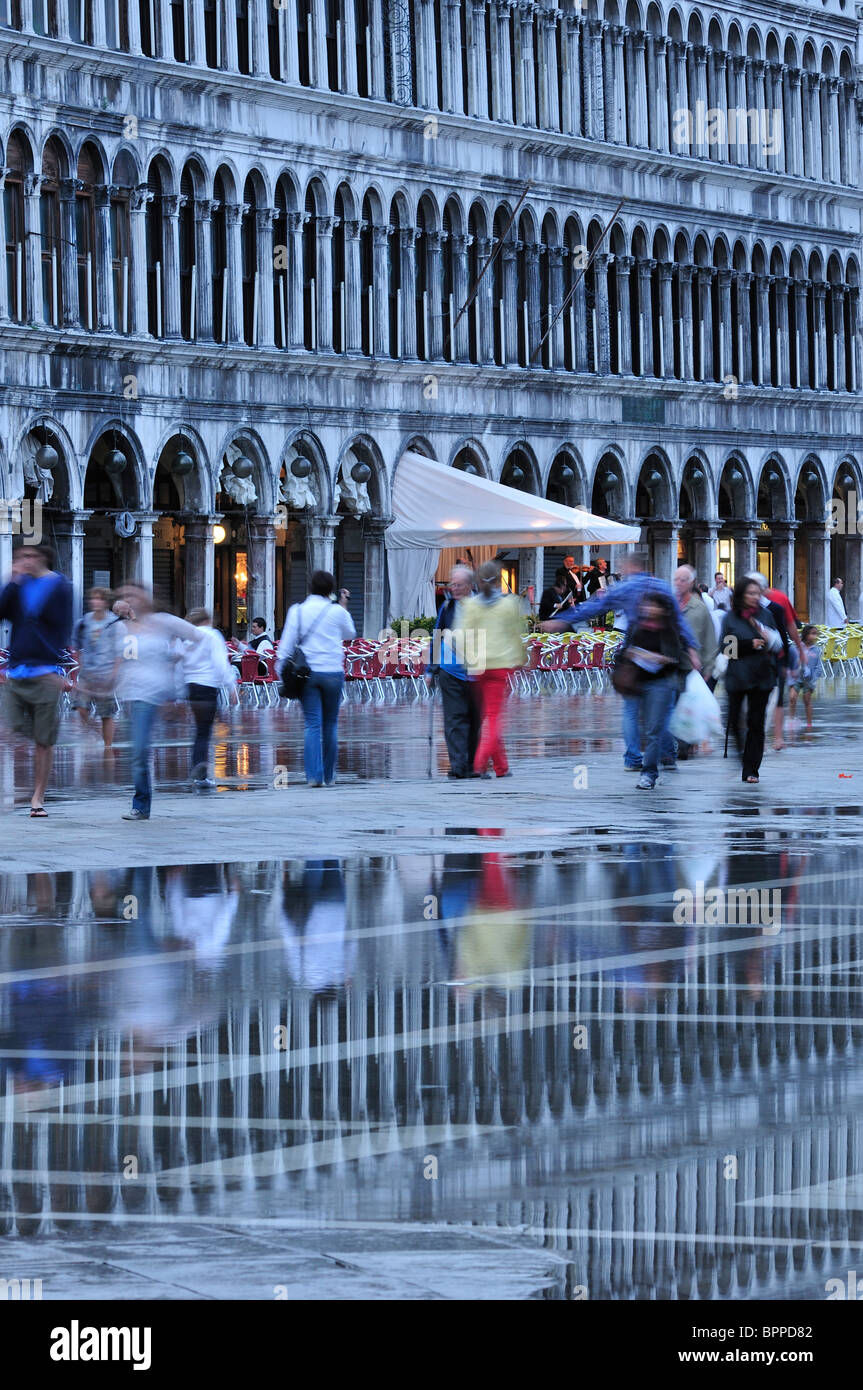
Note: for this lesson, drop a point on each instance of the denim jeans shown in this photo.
(631, 731)
(321, 700)
(204, 700)
(143, 717)
(656, 702)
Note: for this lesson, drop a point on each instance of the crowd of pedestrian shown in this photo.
(746, 637)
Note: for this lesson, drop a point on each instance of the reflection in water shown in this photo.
(291, 1040)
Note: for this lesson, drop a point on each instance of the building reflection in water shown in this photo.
(290, 1041)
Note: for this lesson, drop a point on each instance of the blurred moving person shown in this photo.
(751, 643)
(493, 625)
(805, 677)
(318, 627)
(461, 719)
(207, 669)
(98, 642)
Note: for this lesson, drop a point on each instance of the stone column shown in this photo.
(289, 43)
(819, 291)
(547, 96)
(199, 559)
(644, 269)
(204, 263)
(555, 299)
(510, 303)
(296, 338)
(451, 54)
(741, 141)
(171, 268)
(460, 291)
(320, 541)
(353, 288)
(483, 308)
(657, 47)
(715, 85)
(69, 538)
(264, 219)
(32, 269)
(745, 542)
(684, 281)
(261, 543)
(407, 252)
(143, 550)
(793, 112)
(324, 283)
(618, 84)
(381, 326)
(680, 51)
(622, 267)
(762, 285)
(376, 27)
(234, 276)
(663, 544)
(819, 571)
(800, 347)
(834, 129)
(477, 79)
(525, 87)
(782, 533)
(854, 318)
(726, 324)
(853, 576)
(705, 274)
(666, 321)
(374, 607)
(138, 217)
(837, 299)
(426, 64)
(68, 267)
(570, 114)
(226, 18)
(594, 94)
(704, 536)
(601, 336)
(533, 334)
(813, 124)
(700, 54)
(503, 10)
(434, 269)
(320, 76)
(196, 43)
(783, 373)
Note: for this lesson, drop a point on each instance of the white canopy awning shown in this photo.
(435, 506)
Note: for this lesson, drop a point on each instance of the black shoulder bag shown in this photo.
(296, 670)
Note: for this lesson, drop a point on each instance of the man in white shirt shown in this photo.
(206, 669)
(720, 593)
(836, 615)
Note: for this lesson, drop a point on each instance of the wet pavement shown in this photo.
(414, 1039)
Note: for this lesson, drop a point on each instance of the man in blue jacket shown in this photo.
(461, 719)
(626, 598)
(38, 604)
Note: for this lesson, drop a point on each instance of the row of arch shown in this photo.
(616, 72)
(210, 258)
(649, 487)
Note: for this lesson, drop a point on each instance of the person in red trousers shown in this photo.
(491, 624)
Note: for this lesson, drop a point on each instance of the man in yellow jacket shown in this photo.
(495, 624)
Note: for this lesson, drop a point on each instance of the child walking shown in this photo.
(806, 674)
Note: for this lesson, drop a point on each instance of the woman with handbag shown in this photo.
(751, 644)
(648, 668)
(311, 664)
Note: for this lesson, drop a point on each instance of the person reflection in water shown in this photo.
(314, 927)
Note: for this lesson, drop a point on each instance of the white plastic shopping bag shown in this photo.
(696, 716)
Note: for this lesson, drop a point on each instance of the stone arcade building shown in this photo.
(239, 235)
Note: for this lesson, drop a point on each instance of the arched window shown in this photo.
(180, 31)
(212, 45)
(155, 255)
(305, 41)
(280, 268)
(219, 233)
(249, 254)
(18, 165)
(244, 36)
(81, 21)
(147, 21)
(49, 226)
(123, 181)
(188, 268)
(85, 237)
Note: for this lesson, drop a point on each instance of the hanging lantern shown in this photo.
(300, 467)
(609, 481)
(810, 478)
(242, 467)
(183, 464)
(736, 475)
(361, 472)
(470, 468)
(115, 462)
(772, 478)
(696, 476)
(846, 481)
(516, 475)
(654, 478)
(566, 474)
(47, 458)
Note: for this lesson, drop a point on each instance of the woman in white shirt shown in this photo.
(320, 627)
(147, 679)
(206, 668)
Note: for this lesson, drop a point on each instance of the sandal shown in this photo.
(38, 813)
(750, 779)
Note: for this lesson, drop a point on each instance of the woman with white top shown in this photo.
(319, 627)
(206, 668)
(147, 679)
